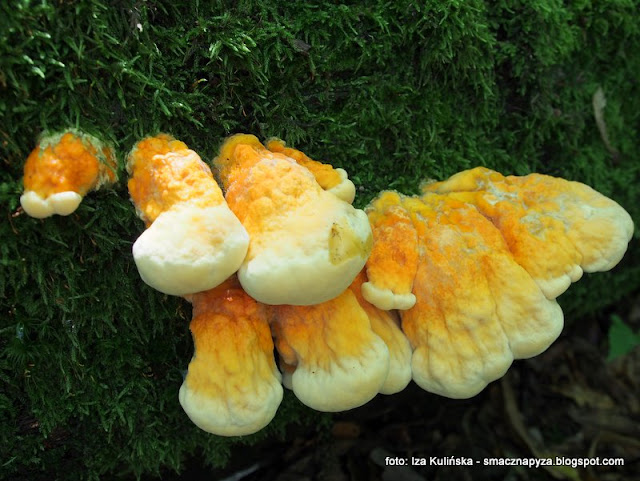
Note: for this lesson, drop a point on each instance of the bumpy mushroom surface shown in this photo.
(393, 262)
(193, 241)
(476, 308)
(306, 245)
(555, 228)
(232, 387)
(332, 358)
(332, 180)
(62, 169)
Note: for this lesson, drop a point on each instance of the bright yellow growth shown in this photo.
(233, 167)
(323, 333)
(325, 174)
(233, 386)
(386, 325)
(274, 187)
(71, 162)
(165, 172)
(334, 359)
(554, 228)
(394, 258)
(281, 181)
(306, 244)
(229, 330)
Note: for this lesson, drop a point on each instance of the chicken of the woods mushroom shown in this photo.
(233, 386)
(306, 244)
(446, 288)
(62, 169)
(339, 354)
(474, 266)
(555, 228)
(193, 242)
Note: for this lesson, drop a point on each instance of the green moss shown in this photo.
(91, 359)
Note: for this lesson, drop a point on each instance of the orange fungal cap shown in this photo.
(62, 169)
(476, 308)
(333, 180)
(555, 228)
(386, 325)
(193, 241)
(306, 244)
(164, 172)
(339, 362)
(232, 387)
(393, 262)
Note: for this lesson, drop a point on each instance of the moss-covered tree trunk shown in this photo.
(91, 358)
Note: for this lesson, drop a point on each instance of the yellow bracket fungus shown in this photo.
(393, 262)
(332, 180)
(232, 387)
(458, 282)
(485, 256)
(555, 228)
(337, 360)
(306, 245)
(62, 169)
(193, 241)
(476, 309)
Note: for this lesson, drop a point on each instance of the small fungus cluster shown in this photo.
(446, 288)
(62, 169)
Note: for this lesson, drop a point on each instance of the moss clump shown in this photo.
(91, 359)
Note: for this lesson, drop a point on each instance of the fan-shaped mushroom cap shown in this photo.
(306, 244)
(332, 180)
(393, 262)
(193, 241)
(386, 325)
(476, 308)
(62, 169)
(554, 228)
(232, 387)
(340, 363)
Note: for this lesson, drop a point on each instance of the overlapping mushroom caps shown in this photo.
(476, 308)
(232, 387)
(193, 242)
(473, 267)
(555, 228)
(306, 244)
(332, 180)
(386, 325)
(62, 169)
(486, 274)
(339, 354)
(455, 262)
